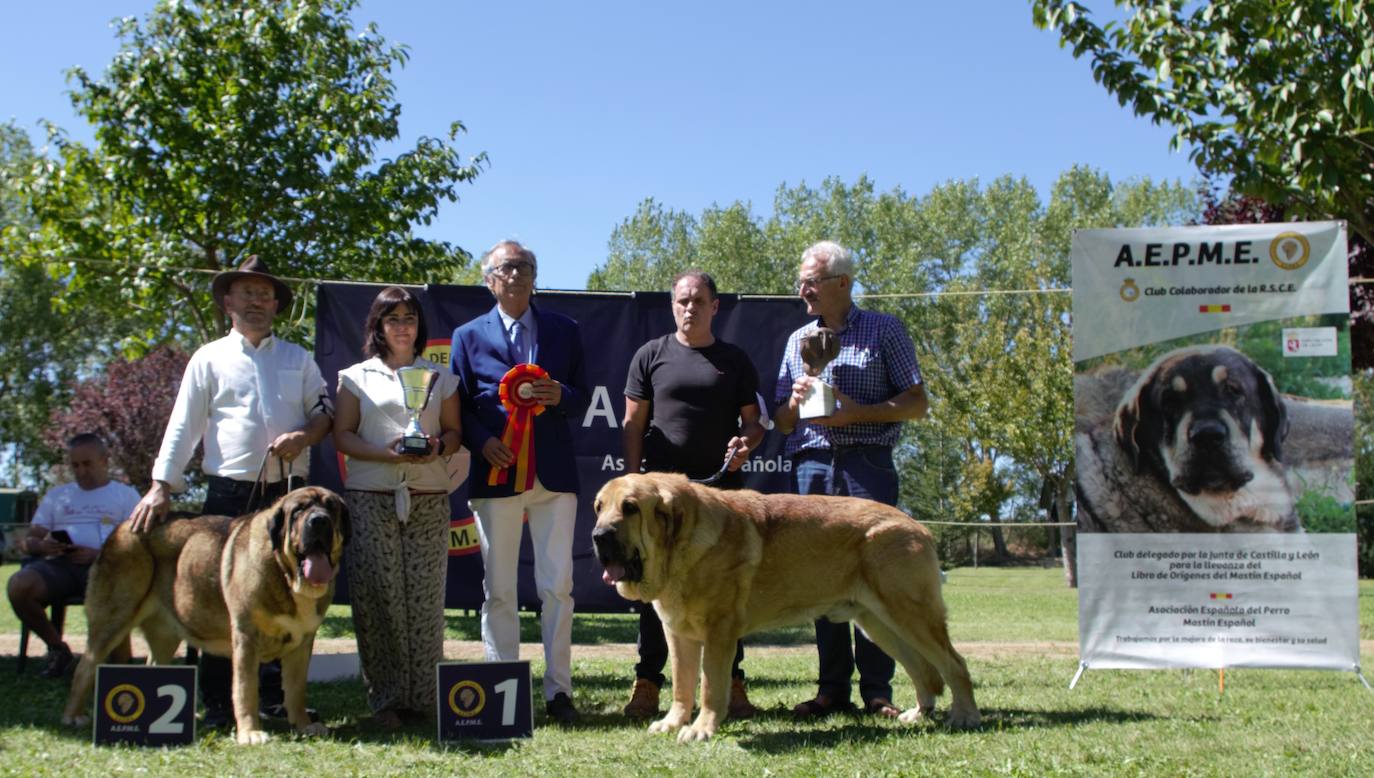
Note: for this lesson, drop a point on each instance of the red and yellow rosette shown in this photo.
(521, 408)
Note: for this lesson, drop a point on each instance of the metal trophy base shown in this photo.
(818, 402)
(414, 445)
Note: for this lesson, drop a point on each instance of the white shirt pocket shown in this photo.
(290, 388)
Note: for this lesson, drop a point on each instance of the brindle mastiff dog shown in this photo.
(718, 565)
(254, 589)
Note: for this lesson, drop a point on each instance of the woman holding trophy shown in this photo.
(397, 420)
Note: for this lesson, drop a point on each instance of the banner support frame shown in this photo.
(1082, 666)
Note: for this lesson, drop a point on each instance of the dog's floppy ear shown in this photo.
(276, 526)
(1139, 422)
(670, 507)
(1128, 418)
(345, 518)
(1273, 415)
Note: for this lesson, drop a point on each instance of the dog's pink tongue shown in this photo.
(317, 568)
(612, 573)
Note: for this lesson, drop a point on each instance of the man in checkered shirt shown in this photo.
(878, 386)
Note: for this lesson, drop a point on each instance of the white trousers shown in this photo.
(552, 518)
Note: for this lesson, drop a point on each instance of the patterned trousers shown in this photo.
(396, 578)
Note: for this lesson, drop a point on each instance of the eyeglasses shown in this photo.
(409, 320)
(803, 283)
(513, 269)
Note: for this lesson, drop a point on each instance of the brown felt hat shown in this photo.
(253, 267)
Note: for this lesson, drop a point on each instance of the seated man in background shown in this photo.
(68, 529)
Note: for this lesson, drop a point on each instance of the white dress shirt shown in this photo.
(238, 399)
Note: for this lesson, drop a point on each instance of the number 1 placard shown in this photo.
(484, 701)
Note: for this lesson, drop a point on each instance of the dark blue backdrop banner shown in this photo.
(613, 326)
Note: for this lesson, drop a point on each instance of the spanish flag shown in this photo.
(1223, 308)
(1221, 595)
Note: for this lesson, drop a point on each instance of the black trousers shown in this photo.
(227, 497)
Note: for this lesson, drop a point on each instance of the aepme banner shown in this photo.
(1214, 447)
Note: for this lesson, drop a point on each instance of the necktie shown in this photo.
(517, 342)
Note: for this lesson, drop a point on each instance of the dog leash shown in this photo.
(725, 466)
(260, 483)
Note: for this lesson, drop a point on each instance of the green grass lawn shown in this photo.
(1159, 723)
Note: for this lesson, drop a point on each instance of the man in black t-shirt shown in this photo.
(690, 401)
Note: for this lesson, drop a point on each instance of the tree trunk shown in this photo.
(999, 542)
(1068, 536)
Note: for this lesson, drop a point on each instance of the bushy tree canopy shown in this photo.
(230, 127)
(128, 406)
(1278, 94)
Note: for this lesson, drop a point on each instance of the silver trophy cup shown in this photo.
(416, 384)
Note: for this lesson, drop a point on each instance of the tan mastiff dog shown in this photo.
(718, 565)
(253, 588)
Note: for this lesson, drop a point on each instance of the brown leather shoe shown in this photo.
(643, 702)
(740, 706)
(820, 707)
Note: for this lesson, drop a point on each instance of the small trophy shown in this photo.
(818, 350)
(416, 385)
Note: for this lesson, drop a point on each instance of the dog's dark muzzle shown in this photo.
(317, 535)
(1209, 465)
(611, 553)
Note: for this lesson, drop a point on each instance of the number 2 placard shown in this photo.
(146, 706)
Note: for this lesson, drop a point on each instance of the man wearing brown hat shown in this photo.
(257, 404)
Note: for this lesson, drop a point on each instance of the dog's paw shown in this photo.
(314, 729)
(696, 733)
(912, 715)
(252, 737)
(665, 724)
(968, 718)
(76, 721)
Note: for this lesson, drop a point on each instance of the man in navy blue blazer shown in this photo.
(516, 332)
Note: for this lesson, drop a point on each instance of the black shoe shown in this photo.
(278, 713)
(217, 717)
(561, 709)
(59, 662)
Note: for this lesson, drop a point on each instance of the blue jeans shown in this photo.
(849, 471)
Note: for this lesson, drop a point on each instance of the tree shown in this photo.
(1364, 468)
(647, 249)
(128, 406)
(230, 127)
(1278, 94)
(41, 345)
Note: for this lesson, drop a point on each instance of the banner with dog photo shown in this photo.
(1214, 447)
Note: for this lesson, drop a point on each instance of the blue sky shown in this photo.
(587, 108)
